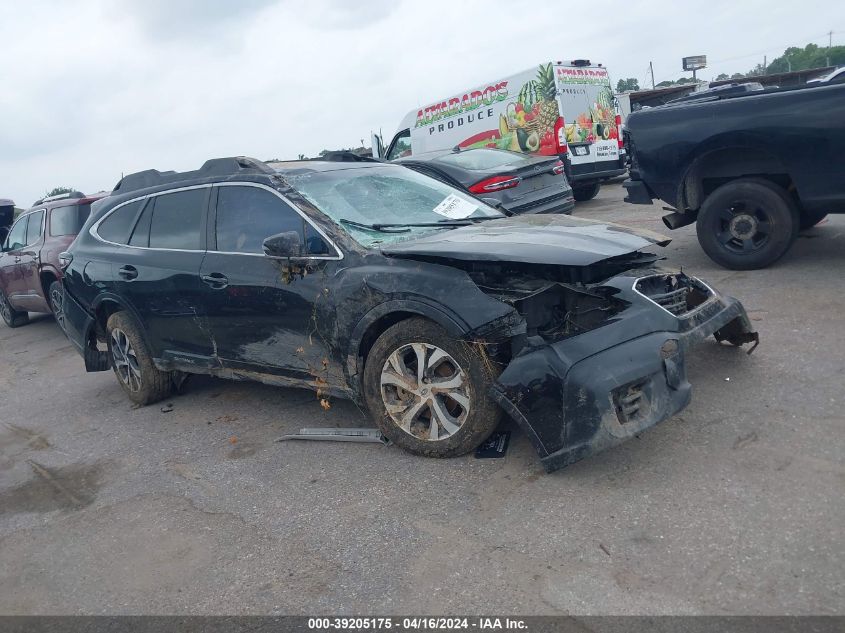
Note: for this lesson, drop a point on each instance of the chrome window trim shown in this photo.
(40, 231)
(93, 230)
(284, 199)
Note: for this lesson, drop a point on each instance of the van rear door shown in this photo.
(588, 107)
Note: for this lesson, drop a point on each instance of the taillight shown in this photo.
(496, 183)
(560, 136)
(559, 168)
(619, 138)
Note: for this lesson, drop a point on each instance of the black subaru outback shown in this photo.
(377, 283)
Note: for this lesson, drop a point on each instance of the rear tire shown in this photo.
(747, 224)
(422, 418)
(11, 317)
(582, 194)
(132, 363)
(810, 219)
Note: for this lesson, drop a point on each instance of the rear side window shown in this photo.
(33, 231)
(116, 227)
(484, 159)
(177, 220)
(68, 220)
(246, 216)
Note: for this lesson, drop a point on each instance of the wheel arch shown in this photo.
(712, 167)
(47, 275)
(383, 316)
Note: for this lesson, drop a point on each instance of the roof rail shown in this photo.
(210, 168)
(59, 196)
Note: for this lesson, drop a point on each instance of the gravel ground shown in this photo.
(733, 507)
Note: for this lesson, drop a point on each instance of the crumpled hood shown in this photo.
(532, 239)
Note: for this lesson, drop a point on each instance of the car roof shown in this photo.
(293, 167)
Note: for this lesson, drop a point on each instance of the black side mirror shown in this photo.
(285, 244)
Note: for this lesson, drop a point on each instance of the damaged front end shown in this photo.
(602, 361)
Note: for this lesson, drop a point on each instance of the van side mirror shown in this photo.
(285, 244)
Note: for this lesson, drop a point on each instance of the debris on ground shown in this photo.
(338, 435)
(494, 446)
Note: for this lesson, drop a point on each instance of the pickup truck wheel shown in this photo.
(56, 303)
(582, 194)
(747, 224)
(810, 219)
(427, 391)
(132, 363)
(11, 317)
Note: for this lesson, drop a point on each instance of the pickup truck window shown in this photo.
(33, 231)
(68, 220)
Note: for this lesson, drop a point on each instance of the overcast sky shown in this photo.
(90, 89)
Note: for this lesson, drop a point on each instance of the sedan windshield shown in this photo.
(388, 194)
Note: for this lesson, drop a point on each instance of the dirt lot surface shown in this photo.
(735, 506)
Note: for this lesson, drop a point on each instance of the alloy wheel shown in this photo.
(425, 391)
(125, 360)
(743, 227)
(57, 304)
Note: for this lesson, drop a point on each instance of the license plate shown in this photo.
(582, 151)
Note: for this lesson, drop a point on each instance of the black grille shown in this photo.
(676, 293)
(629, 402)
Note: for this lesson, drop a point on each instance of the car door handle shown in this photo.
(17, 259)
(128, 273)
(215, 280)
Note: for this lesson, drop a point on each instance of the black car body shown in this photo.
(751, 168)
(565, 322)
(519, 183)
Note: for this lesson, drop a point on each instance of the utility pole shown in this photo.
(829, 44)
(765, 64)
(651, 70)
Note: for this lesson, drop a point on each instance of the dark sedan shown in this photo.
(519, 183)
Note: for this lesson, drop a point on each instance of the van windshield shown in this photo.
(387, 194)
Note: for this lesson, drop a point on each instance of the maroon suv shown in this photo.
(30, 276)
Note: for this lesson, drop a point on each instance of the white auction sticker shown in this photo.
(455, 208)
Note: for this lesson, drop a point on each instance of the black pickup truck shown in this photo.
(751, 168)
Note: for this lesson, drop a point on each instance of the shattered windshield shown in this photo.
(387, 194)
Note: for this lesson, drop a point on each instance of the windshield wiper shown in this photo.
(403, 227)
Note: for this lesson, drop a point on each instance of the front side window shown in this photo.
(116, 227)
(33, 231)
(177, 220)
(17, 236)
(246, 216)
(387, 194)
(68, 220)
(401, 147)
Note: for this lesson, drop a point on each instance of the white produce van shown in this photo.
(565, 109)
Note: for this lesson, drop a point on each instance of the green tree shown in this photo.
(57, 191)
(722, 77)
(811, 56)
(623, 85)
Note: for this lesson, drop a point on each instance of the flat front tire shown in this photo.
(428, 392)
(747, 224)
(132, 364)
